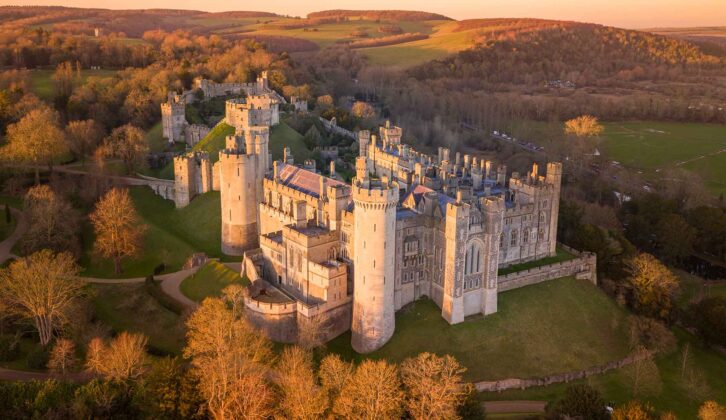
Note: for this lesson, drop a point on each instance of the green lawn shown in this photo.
(172, 235)
(283, 135)
(651, 146)
(674, 395)
(556, 326)
(128, 307)
(215, 140)
(43, 84)
(561, 256)
(209, 280)
(693, 288)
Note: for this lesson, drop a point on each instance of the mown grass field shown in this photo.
(676, 394)
(172, 235)
(209, 280)
(652, 146)
(43, 84)
(561, 256)
(556, 326)
(128, 307)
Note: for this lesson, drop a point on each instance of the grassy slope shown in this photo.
(550, 327)
(43, 85)
(172, 235)
(209, 280)
(283, 135)
(616, 387)
(128, 307)
(215, 140)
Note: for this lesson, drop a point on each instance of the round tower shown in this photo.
(374, 246)
(238, 196)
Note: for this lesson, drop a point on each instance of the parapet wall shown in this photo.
(584, 266)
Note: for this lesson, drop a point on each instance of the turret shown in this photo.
(456, 236)
(554, 178)
(374, 244)
(184, 180)
(364, 138)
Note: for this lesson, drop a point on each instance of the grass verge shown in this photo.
(209, 280)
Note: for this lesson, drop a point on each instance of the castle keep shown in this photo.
(322, 252)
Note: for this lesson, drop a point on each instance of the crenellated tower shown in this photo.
(374, 243)
(238, 181)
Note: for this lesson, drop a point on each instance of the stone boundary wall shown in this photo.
(583, 266)
(516, 383)
(333, 128)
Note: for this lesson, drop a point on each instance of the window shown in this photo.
(525, 236)
(472, 260)
(513, 238)
(501, 240)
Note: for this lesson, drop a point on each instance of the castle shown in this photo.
(320, 251)
(175, 127)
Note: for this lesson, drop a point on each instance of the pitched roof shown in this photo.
(304, 180)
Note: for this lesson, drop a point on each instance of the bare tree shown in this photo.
(373, 392)
(311, 333)
(83, 136)
(118, 228)
(36, 139)
(127, 143)
(53, 222)
(295, 374)
(434, 384)
(653, 285)
(62, 356)
(42, 287)
(334, 374)
(227, 352)
(124, 358)
(711, 410)
(234, 295)
(643, 374)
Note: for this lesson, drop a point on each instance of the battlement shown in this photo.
(372, 192)
(236, 155)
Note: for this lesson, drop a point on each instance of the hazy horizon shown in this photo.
(621, 13)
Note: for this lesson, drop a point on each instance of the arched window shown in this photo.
(472, 261)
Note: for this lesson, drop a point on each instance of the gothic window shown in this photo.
(525, 236)
(513, 238)
(540, 234)
(472, 260)
(541, 217)
(501, 240)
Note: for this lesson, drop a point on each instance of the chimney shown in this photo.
(323, 188)
(276, 170)
(332, 169)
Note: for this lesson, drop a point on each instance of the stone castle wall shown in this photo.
(584, 266)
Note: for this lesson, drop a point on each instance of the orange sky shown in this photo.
(622, 13)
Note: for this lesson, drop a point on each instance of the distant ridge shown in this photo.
(392, 15)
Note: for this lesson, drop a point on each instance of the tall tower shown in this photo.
(554, 178)
(456, 236)
(184, 180)
(238, 195)
(374, 241)
(173, 119)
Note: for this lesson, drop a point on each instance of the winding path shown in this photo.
(6, 246)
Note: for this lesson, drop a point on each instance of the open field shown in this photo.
(674, 396)
(694, 288)
(209, 280)
(556, 326)
(172, 235)
(43, 85)
(654, 146)
(650, 146)
(128, 307)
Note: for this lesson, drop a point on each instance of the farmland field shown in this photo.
(653, 146)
